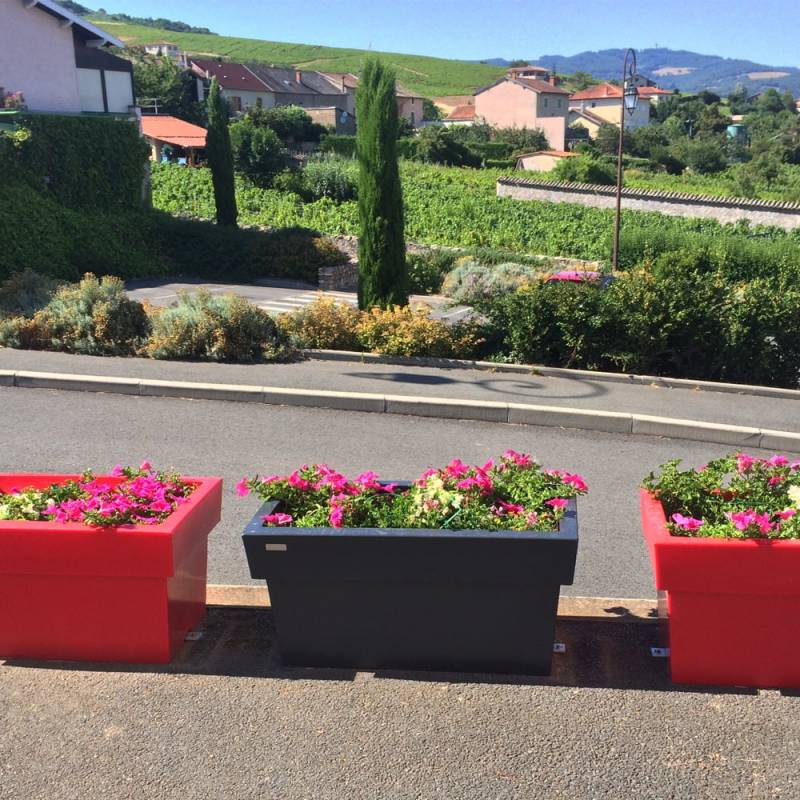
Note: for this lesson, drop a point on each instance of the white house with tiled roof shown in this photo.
(604, 102)
(59, 61)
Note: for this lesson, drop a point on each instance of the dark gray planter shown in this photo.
(370, 598)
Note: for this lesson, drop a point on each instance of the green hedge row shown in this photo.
(40, 234)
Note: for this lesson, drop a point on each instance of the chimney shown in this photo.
(298, 76)
(553, 79)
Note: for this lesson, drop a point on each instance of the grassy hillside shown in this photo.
(431, 77)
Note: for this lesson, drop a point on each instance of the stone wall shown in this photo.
(722, 209)
(342, 278)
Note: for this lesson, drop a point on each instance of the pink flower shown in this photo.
(556, 502)
(242, 489)
(687, 523)
(145, 466)
(532, 518)
(744, 462)
(742, 520)
(778, 461)
(278, 519)
(511, 508)
(787, 513)
(520, 459)
(575, 480)
(336, 516)
(456, 468)
(117, 471)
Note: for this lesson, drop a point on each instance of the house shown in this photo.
(654, 93)
(409, 105)
(341, 121)
(447, 103)
(295, 87)
(184, 139)
(604, 102)
(162, 49)
(587, 120)
(529, 71)
(238, 85)
(460, 115)
(543, 160)
(59, 61)
(526, 103)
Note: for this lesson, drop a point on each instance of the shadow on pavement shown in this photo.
(240, 642)
(505, 386)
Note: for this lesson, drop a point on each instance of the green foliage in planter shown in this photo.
(85, 161)
(215, 328)
(734, 497)
(93, 317)
(381, 243)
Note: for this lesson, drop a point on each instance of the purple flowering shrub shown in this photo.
(735, 497)
(512, 493)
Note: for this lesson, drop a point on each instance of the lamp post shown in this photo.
(630, 99)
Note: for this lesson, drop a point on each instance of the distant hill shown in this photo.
(103, 16)
(678, 69)
(431, 77)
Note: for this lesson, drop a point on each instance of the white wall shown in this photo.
(119, 91)
(37, 57)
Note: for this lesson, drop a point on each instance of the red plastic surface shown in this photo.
(128, 594)
(733, 605)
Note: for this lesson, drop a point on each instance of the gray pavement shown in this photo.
(226, 721)
(47, 430)
(734, 409)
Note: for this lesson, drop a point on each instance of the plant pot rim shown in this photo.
(203, 487)
(659, 535)
(567, 530)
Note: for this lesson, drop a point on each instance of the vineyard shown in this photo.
(431, 77)
(458, 207)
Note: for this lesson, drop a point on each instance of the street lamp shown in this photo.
(630, 99)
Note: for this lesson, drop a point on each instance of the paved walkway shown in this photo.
(226, 721)
(748, 410)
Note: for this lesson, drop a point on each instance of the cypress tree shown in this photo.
(220, 156)
(382, 278)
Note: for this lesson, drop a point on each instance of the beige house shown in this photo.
(543, 160)
(604, 102)
(59, 61)
(409, 105)
(525, 103)
(460, 115)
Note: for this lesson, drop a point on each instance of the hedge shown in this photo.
(84, 161)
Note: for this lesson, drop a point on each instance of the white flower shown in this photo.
(794, 495)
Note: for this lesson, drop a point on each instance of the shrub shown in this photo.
(340, 145)
(93, 317)
(215, 328)
(403, 331)
(323, 325)
(705, 156)
(330, 177)
(23, 293)
(473, 283)
(290, 123)
(436, 145)
(585, 169)
(426, 271)
(257, 152)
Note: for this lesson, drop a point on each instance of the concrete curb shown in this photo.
(438, 407)
(606, 609)
(353, 356)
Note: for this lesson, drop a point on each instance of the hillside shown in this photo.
(679, 69)
(431, 77)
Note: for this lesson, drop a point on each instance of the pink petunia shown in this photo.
(242, 489)
(556, 502)
(778, 461)
(278, 519)
(687, 523)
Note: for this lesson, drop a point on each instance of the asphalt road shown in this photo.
(46, 430)
(734, 409)
(226, 721)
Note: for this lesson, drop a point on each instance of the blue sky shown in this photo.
(766, 31)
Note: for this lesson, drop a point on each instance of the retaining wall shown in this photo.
(679, 204)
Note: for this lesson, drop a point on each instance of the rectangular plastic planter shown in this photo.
(733, 605)
(129, 594)
(368, 598)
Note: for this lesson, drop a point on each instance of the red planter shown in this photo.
(128, 594)
(733, 605)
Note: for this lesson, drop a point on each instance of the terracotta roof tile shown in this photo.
(173, 130)
(462, 112)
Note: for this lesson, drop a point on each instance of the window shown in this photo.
(235, 103)
(545, 102)
(559, 102)
(594, 105)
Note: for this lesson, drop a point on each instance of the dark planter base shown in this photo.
(466, 601)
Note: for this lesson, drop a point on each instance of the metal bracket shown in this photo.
(275, 548)
(659, 652)
(193, 636)
(559, 647)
